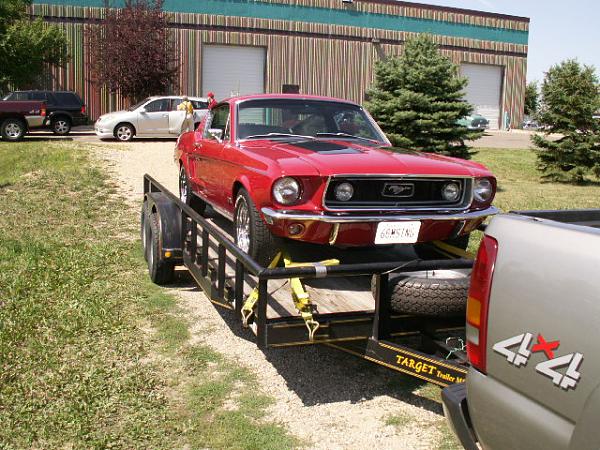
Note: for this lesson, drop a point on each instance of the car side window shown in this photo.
(158, 105)
(175, 102)
(220, 120)
(39, 96)
(199, 104)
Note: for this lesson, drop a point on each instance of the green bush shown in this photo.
(418, 98)
(570, 97)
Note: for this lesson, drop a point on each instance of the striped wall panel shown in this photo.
(402, 9)
(338, 64)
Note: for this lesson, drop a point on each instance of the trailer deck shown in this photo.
(351, 316)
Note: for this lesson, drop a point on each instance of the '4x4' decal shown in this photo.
(521, 355)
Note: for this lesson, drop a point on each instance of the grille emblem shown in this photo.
(398, 190)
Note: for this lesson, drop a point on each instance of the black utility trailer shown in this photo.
(349, 313)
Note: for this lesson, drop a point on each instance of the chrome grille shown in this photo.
(397, 193)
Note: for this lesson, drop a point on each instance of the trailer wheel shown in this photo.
(161, 272)
(427, 250)
(250, 231)
(144, 229)
(432, 293)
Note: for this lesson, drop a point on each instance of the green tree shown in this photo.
(136, 61)
(570, 98)
(27, 47)
(532, 99)
(418, 98)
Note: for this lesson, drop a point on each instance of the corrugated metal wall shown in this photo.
(324, 59)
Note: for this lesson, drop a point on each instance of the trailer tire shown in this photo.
(432, 293)
(144, 228)
(250, 231)
(161, 272)
(427, 250)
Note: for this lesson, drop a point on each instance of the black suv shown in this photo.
(64, 109)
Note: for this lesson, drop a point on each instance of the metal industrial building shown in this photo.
(325, 47)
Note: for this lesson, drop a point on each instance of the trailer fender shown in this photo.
(169, 216)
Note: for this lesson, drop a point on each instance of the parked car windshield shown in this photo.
(137, 105)
(280, 118)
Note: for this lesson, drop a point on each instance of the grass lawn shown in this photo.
(521, 187)
(92, 355)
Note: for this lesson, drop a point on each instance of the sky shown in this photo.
(558, 30)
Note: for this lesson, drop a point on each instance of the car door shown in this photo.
(209, 154)
(153, 118)
(176, 117)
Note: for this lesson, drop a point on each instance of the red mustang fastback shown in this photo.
(320, 170)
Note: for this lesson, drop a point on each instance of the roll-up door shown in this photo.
(484, 90)
(232, 70)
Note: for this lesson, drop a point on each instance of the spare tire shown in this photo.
(432, 293)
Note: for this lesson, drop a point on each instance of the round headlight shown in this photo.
(286, 190)
(344, 192)
(483, 190)
(451, 192)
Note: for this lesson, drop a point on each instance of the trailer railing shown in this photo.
(199, 235)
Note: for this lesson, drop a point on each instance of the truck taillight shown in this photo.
(478, 302)
(82, 109)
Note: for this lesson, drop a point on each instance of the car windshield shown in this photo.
(137, 105)
(288, 118)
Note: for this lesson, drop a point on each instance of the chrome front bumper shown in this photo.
(271, 216)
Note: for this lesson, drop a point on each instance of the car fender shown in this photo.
(60, 112)
(169, 216)
(242, 181)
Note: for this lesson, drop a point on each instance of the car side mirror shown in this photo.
(216, 133)
(143, 111)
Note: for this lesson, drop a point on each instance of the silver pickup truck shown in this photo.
(533, 335)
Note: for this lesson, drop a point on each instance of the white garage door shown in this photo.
(232, 70)
(484, 90)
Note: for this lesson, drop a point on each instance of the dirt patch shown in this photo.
(326, 398)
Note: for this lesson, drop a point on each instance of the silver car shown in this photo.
(153, 117)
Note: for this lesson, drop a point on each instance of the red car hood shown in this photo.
(330, 157)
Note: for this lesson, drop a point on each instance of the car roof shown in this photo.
(156, 97)
(241, 98)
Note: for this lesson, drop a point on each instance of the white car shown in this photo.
(153, 117)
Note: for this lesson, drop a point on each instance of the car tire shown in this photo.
(124, 132)
(431, 293)
(428, 250)
(160, 271)
(186, 194)
(61, 125)
(12, 130)
(250, 231)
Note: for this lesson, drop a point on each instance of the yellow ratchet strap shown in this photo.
(250, 303)
(300, 295)
(453, 250)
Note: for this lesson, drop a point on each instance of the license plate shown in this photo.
(397, 232)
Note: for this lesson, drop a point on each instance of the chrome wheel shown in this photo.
(61, 126)
(242, 225)
(124, 133)
(13, 130)
(183, 186)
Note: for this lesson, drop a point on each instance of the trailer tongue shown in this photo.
(304, 303)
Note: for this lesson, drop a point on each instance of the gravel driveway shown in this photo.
(325, 397)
